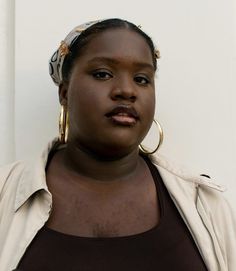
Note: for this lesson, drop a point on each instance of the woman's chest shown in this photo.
(105, 213)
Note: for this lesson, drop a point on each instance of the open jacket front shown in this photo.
(26, 203)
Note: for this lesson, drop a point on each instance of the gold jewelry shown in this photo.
(64, 49)
(157, 54)
(79, 29)
(161, 136)
(63, 125)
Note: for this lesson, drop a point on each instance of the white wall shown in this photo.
(7, 68)
(196, 81)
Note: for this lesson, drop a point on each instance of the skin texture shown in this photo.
(97, 181)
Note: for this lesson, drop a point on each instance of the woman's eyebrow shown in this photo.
(144, 65)
(113, 61)
(102, 60)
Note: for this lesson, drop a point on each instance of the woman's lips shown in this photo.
(123, 115)
(123, 119)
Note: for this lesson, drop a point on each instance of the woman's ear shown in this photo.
(63, 93)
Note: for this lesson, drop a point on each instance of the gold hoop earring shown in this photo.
(63, 125)
(161, 137)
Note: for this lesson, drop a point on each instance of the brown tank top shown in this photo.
(168, 246)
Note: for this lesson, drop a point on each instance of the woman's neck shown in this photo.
(92, 166)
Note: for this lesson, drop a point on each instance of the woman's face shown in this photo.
(111, 93)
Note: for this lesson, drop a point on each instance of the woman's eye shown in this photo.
(141, 80)
(102, 75)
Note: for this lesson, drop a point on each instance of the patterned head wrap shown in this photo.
(57, 59)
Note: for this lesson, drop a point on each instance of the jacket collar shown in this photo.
(161, 162)
(33, 177)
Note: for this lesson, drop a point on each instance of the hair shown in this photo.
(85, 37)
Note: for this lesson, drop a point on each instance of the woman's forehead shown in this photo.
(118, 43)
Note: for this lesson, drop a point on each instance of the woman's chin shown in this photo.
(113, 151)
(108, 146)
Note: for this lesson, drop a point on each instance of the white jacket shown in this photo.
(25, 206)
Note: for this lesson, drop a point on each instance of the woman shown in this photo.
(111, 206)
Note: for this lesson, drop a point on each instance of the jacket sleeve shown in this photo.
(225, 227)
(220, 219)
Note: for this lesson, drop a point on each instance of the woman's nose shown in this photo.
(124, 89)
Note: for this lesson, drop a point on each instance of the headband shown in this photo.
(57, 59)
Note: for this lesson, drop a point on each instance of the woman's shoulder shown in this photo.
(207, 192)
(185, 176)
(9, 172)
(209, 200)
(28, 169)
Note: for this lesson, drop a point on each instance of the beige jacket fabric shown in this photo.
(25, 206)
